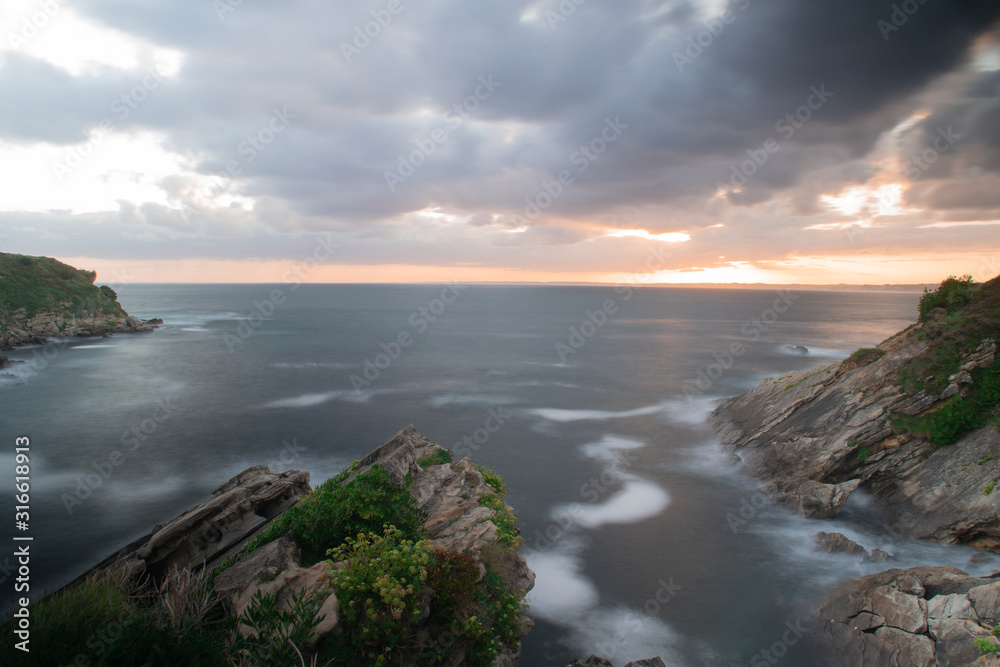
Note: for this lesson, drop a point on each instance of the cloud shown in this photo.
(409, 99)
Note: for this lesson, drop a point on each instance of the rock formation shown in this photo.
(214, 531)
(816, 435)
(919, 617)
(41, 298)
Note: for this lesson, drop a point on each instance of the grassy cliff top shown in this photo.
(955, 320)
(43, 284)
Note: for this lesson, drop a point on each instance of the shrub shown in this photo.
(109, 621)
(500, 623)
(960, 413)
(493, 479)
(380, 588)
(865, 356)
(863, 454)
(335, 511)
(953, 294)
(505, 521)
(453, 577)
(988, 489)
(440, 457)
(278, 636)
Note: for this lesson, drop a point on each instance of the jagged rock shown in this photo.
(450, 494)
(648, 662)
(274, 569)
(592, 661)
(962, 377)
(812, 499)
(876, 555)
(837, 543)
(814, 425)
(156, 321)
(986, 601)
(239, 509)
(949, 391)
(921, 616)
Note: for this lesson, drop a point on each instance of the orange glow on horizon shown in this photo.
(798, 270)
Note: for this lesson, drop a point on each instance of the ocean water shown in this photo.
(591, 402)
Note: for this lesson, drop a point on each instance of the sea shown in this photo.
(591, 401)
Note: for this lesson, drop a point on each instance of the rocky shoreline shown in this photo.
(22, 331)
(460, 505)
(815, 436)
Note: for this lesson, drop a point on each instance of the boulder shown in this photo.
(876, 555)
(812, 499)
(921, 616)
(837, 543)
(274, 569)
(648, 662)
(592, 661)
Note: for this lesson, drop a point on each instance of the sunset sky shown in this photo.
(503, 140)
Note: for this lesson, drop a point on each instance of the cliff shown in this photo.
(913, 420)
(42, 298)
(405, 558)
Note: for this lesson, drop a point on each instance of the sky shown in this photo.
(780, 141)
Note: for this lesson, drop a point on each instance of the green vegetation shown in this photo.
(42, 284)
(793, 385)
(380, 590)
(493, 479)
(863, 454)
(335, 511)
(953, 294)
(440, 457)
(961, 413)
(987, 644)
(863, 357)
(388, 575)
(278, 637)
(112, 621)
(505, 521)
(988, 489)
(973, 316)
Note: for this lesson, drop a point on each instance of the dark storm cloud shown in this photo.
(559, 82)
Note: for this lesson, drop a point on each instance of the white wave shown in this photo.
(89, 347)
(620, 635)
(311, 364)
(443, 400)
(637, 501)
(689, 411)
(543, 383)
(561, 593)
(607, 447)
(831, 352)
(313, 399)
(711, 459)
(565, 597)
(561, 415)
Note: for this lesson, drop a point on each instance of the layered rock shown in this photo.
(20, 330)
(216, 529)
(206, 535)
(922, 617)
(42, 298)
(816, 435)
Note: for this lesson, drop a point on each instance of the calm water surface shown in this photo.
(630, 514)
